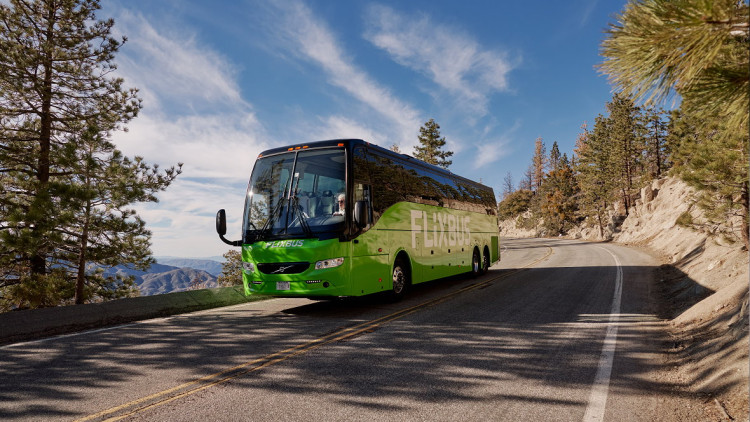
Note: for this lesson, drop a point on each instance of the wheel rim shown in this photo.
(475, 262)
(485, 263)
(398, 280)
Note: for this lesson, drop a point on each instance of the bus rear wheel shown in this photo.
(476, 268)
(485, 260)
(400, 281)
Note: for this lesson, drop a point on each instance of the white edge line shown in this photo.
(600, 389)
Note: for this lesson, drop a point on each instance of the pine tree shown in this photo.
(55, 85)
(554, 157)
(558, 204)
(431, 144)
(515, 204)
(105, 232)
(696, 48)
(626, 145)
(657, 150)
(594, 171)
(539, 163)
(231, 269)
(714, 159)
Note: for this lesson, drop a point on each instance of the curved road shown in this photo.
(558, 330)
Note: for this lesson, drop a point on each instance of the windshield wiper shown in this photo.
(269, 222)
(297, 210)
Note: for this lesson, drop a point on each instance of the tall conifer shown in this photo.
(56, 85)
(539, 163)
(431, 146)
(594, 171)
(626, 145)
(554, 157)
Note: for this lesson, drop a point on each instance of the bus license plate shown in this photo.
(282, 285)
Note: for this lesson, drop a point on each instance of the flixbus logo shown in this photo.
(285, 244)
(439, 229)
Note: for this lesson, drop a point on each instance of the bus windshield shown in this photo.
(296, 195)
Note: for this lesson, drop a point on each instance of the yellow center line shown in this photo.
(200, 384)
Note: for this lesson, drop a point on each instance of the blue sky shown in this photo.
(223, 80)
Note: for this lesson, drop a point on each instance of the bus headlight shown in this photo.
(248, 267)
(329, 263)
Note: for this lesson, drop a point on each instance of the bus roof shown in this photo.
(351, 143)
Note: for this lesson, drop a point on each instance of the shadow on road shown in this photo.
(542, 326)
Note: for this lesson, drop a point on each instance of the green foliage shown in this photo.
(558, 204)
(657, 150)
(37, 291)
(105, 230)
(231, 269)
(515, 204)
(538, 164)
(431, 144)
(554, 157)
(714, 159)
(698, 48)
(595, 172)
(66, 189)
(626, 146)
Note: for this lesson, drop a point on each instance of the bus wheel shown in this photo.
(400, 281)
(485, 261)
(476, 269)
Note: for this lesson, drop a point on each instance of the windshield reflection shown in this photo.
(295, 199)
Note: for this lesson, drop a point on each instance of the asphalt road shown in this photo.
(558, 330)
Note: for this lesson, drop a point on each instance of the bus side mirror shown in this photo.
(221, 222)
(361, 214)
(221, 228)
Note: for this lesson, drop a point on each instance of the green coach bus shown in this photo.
(349, 218)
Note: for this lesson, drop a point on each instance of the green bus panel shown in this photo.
(439, 242)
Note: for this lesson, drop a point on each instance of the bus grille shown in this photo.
(283, 267)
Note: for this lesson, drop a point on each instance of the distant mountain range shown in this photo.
(172, 274)
(209, 265)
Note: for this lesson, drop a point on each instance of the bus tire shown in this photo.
(476, 262)
(485, 260)
(400, 277)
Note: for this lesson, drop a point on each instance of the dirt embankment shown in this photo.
(703, 284)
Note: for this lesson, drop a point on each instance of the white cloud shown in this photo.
(493, 150)
(210, 146)
(490, 152)
(183, 222)
(193, 113)
(174, 64)
(450, 57)
(307, 37)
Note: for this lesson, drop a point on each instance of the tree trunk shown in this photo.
(38, 260)
(82, 258)
(745, 200)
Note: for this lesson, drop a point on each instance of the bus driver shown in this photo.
(342, 205)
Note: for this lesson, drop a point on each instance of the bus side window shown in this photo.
(361, 189)
(387, 186)
(362, 193)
